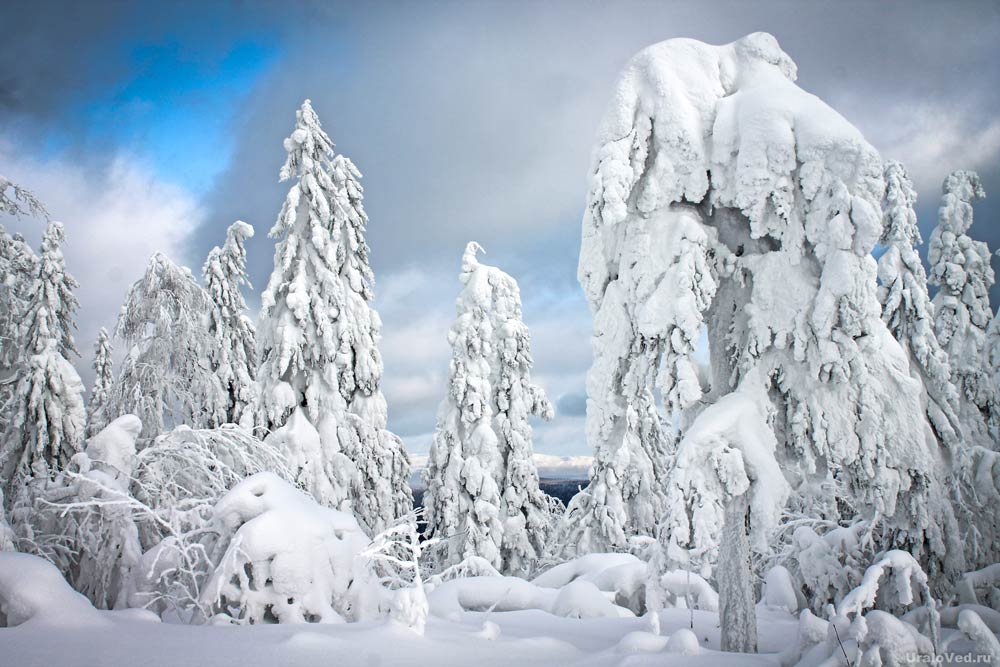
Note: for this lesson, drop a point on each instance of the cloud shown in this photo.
(116, 216)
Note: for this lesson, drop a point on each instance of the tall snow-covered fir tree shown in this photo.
(166, 377)
(47, 419)
(723, 196)
(906, 304)
(526, 511)
(462, 497)
(483, 497)
(234, 353)
(960, 266)
(104, 379)
(319, 334)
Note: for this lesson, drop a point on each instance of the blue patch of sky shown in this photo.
(174, 111)
(171, 105)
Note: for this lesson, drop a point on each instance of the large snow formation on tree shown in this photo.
(319, 334)
(724, 197)
(483, 498)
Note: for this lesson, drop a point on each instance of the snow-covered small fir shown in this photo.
(100, 392)
(483, 498)
(960, 267)
(234, 354)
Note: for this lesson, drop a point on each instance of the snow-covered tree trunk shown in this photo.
(100, 393)
(319, 334)
(235, 353)
(737, 606)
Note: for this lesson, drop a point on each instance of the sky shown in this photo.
(153, 126)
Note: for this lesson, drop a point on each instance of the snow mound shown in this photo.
(623, 575)
(32, 590)
(642, 642)
(685, 642)
(287, 559)
(579, 599)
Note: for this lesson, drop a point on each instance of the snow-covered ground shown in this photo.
(529, 637)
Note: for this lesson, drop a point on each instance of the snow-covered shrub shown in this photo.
(859, 634)
(984, 639)
(394, 557)
(178, 479)
(186, 464)
(318, 333)
(134, 529)
(825, 565)
(283, 558)
(986, 579)
(84, 520)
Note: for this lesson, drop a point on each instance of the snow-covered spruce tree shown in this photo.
(526, 511)
(960, 266)
(319, 335)
(235, 355)
(100, 393)
(490, 328)
(724, 196)
(18, 270)
(462, 497)
(166, 377)
(47, 417)
(906, 305)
